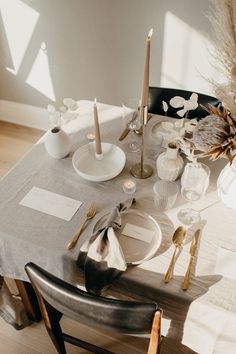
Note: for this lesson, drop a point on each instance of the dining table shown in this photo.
(201, 319)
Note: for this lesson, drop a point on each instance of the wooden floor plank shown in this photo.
(15, 142)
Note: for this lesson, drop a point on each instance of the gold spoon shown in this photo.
(177, 240)
(90, 214)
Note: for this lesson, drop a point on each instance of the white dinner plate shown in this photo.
(136, 251)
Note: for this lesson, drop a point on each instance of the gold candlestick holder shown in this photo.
(141, 170)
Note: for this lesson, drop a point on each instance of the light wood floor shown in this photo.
(15, 141)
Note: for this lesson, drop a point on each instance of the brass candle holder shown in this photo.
(141, 170)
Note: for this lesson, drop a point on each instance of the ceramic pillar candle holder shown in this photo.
(57, 143)
(170, 163)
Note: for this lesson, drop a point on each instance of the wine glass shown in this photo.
(132, 122)
(194, 183)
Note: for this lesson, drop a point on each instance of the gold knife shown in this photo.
(192, 251)
(127, 130)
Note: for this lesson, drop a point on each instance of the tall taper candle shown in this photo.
(146, 71)
(96, 129)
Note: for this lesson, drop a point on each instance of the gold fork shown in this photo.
(90, 214)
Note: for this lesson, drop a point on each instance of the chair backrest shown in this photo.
(116, 315)
(159, 94)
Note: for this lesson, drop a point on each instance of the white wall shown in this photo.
(86, 48)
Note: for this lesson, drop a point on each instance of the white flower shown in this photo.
(165, 106)
(70, 104)
(188, 105)
(51, 108)
(65, 113)
(188, 149)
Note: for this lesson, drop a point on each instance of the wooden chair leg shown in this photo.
(29, 300)
(155, 338)
(52, 322)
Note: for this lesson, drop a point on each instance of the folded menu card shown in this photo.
(226, 263)
(137, 232)
(51, 203)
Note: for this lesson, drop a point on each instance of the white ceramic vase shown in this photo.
(57, 143)
(170, 163)
(226, 185)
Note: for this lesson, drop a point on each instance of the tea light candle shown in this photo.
(129, 186)
(90, 136)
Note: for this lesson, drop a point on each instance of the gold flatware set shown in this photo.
(90, 214)
(177, 240)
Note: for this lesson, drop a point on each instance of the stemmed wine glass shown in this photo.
(131, 121)
(194, 183)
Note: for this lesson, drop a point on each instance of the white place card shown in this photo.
(138, 232)
(226, 263)
(51, 203)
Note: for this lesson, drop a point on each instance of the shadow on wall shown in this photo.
(96, 48)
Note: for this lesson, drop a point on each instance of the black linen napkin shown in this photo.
(101, 256)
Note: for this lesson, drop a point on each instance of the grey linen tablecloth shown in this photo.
(11, 307)
(207, 310)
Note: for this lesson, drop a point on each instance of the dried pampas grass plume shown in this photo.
(223, 22)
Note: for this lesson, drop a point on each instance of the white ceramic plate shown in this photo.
(136, 251)
(91, 169)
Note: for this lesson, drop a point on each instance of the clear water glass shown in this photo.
(165, 194)
(194, 183)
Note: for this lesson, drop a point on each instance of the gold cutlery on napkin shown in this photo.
(177, 240)
(192, 252)
(90, 214)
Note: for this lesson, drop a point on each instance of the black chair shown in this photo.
(159, 94)
(56, 297)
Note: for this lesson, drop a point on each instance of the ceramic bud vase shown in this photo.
(57, 143)
(170, 163)
(226, 185)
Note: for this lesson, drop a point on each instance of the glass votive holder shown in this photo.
(165, 194)
(129, 186)
(90, 137)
